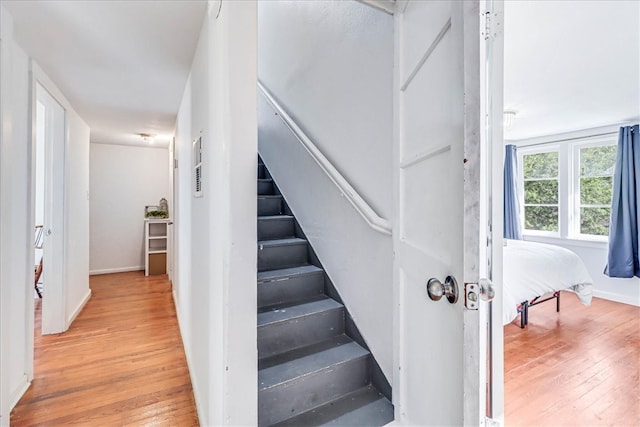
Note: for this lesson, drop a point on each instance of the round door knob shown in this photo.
(436, 289)
(487, 290)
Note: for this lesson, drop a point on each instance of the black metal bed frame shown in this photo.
(523, 307)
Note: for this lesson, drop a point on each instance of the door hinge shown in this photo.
(492, 25)
(175, 163)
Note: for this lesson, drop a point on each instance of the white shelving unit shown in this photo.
(156, 245)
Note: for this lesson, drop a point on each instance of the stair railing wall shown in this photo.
(356, 254)
(374, 220)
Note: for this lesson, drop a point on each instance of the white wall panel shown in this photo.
(15, 222)
(216, 239)
(330, 65)
(123, 180)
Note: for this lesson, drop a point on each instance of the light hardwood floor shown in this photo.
(578, 367)
(120, 363)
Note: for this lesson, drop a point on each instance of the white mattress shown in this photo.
(533, 269)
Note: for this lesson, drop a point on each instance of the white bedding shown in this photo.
(532, 269)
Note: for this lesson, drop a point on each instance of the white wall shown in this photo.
(330, 65)
(216, 243)
(16, 270)
(76, 214)
(39, 155)
(182, 220)
(123, 180)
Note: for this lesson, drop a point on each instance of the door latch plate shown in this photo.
(471, 296)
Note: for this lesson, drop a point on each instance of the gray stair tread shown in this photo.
(298, 353)
(269, 196)
(265, 179)
(317, 361)
(298, 310)
(267, 276)
(282, 242)
(364, 407)
(274, 217)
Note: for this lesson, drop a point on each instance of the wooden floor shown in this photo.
(120, 363)
(578, 367)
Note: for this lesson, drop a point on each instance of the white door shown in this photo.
(53, 302)
(440, 220)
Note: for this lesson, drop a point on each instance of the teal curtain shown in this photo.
(623, 258)
(511, 207)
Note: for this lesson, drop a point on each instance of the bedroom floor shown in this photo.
(577, 367)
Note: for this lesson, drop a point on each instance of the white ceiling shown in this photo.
(571, 65)
(123, 65)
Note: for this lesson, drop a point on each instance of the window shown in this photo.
(566, 187)
(594, 188)
(540, 175)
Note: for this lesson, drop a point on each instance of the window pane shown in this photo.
(596, 191)
(595, 161)
(541, 192)
(541, 165)
(595, 221)
(544, 218)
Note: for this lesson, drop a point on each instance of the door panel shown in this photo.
(429, 233)
(423, 204)
(428, 107)
(422, 21)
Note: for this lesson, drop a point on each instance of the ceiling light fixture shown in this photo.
(146, 137)
(507, 119)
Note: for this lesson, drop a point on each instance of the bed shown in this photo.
(537, 272)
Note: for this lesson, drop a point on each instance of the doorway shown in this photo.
(48, 206)
(38, 162)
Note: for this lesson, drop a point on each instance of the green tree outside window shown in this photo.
(597, 166)
(541, 191)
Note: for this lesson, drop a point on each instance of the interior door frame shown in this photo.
(492, 96)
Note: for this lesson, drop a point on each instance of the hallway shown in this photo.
(120, 363)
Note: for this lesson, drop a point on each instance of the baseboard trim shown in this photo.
(187, 353)
(611, 296)
(18, 393)
(79, 308)
(115, 270)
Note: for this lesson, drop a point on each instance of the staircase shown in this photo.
(314, 368)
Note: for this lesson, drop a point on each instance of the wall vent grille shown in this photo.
(197, 167)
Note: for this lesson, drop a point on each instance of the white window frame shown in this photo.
(575, 174)
(568, 185)
(525, 151)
